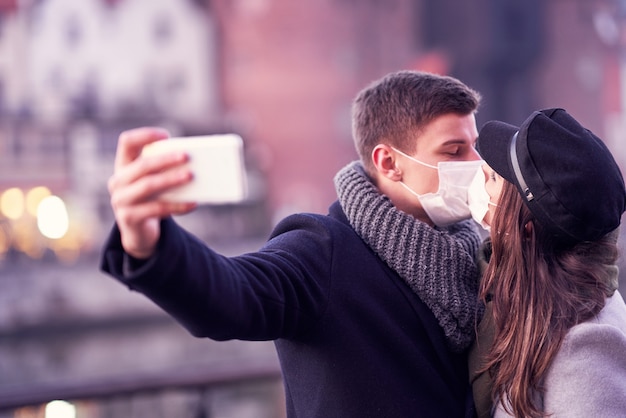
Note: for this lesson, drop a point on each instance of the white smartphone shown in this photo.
(217, 163)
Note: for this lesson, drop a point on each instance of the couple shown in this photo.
(373, 307)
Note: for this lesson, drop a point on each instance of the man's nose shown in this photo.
(474, 155)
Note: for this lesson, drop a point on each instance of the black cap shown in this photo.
(566, 175)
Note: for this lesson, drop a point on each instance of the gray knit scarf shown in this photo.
(438, 265)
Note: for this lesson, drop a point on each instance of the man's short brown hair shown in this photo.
(392, 110)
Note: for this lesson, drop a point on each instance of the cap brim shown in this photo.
(493, 145)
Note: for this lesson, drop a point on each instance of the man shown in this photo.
(372, 306)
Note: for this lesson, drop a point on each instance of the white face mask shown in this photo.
(479, 200)
(450, 204)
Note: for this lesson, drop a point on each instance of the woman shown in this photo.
(553, 337)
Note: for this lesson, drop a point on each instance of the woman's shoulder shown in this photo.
(588, 373)
(610, 322)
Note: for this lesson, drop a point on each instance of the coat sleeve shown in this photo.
(588, 376)
(275, 292)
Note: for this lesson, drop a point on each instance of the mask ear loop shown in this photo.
(413, 192)
(414, 159)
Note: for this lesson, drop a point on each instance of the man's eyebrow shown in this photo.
(455, 142)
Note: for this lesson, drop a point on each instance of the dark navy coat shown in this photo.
(352, 338)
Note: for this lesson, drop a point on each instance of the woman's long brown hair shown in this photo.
(539, 289)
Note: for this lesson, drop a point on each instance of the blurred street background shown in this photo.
(282, 74)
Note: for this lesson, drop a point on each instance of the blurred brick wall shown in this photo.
(290, 71)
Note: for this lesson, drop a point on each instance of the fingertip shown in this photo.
(131, 142)
(190, 206)
(161, 133)
(186, 207)
(152, 134)
(143, 135)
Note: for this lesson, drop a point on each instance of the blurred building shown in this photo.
(282, 74)
(73, 75)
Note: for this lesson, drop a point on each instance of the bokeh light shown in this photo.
(34, 196)
(60, 409)
(12, 203)
(52, 217)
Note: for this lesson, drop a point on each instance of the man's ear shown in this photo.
(385, 162)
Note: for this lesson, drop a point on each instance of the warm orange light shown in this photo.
(12, 203)
(34, 196)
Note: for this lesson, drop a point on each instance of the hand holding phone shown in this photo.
(217, 164)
